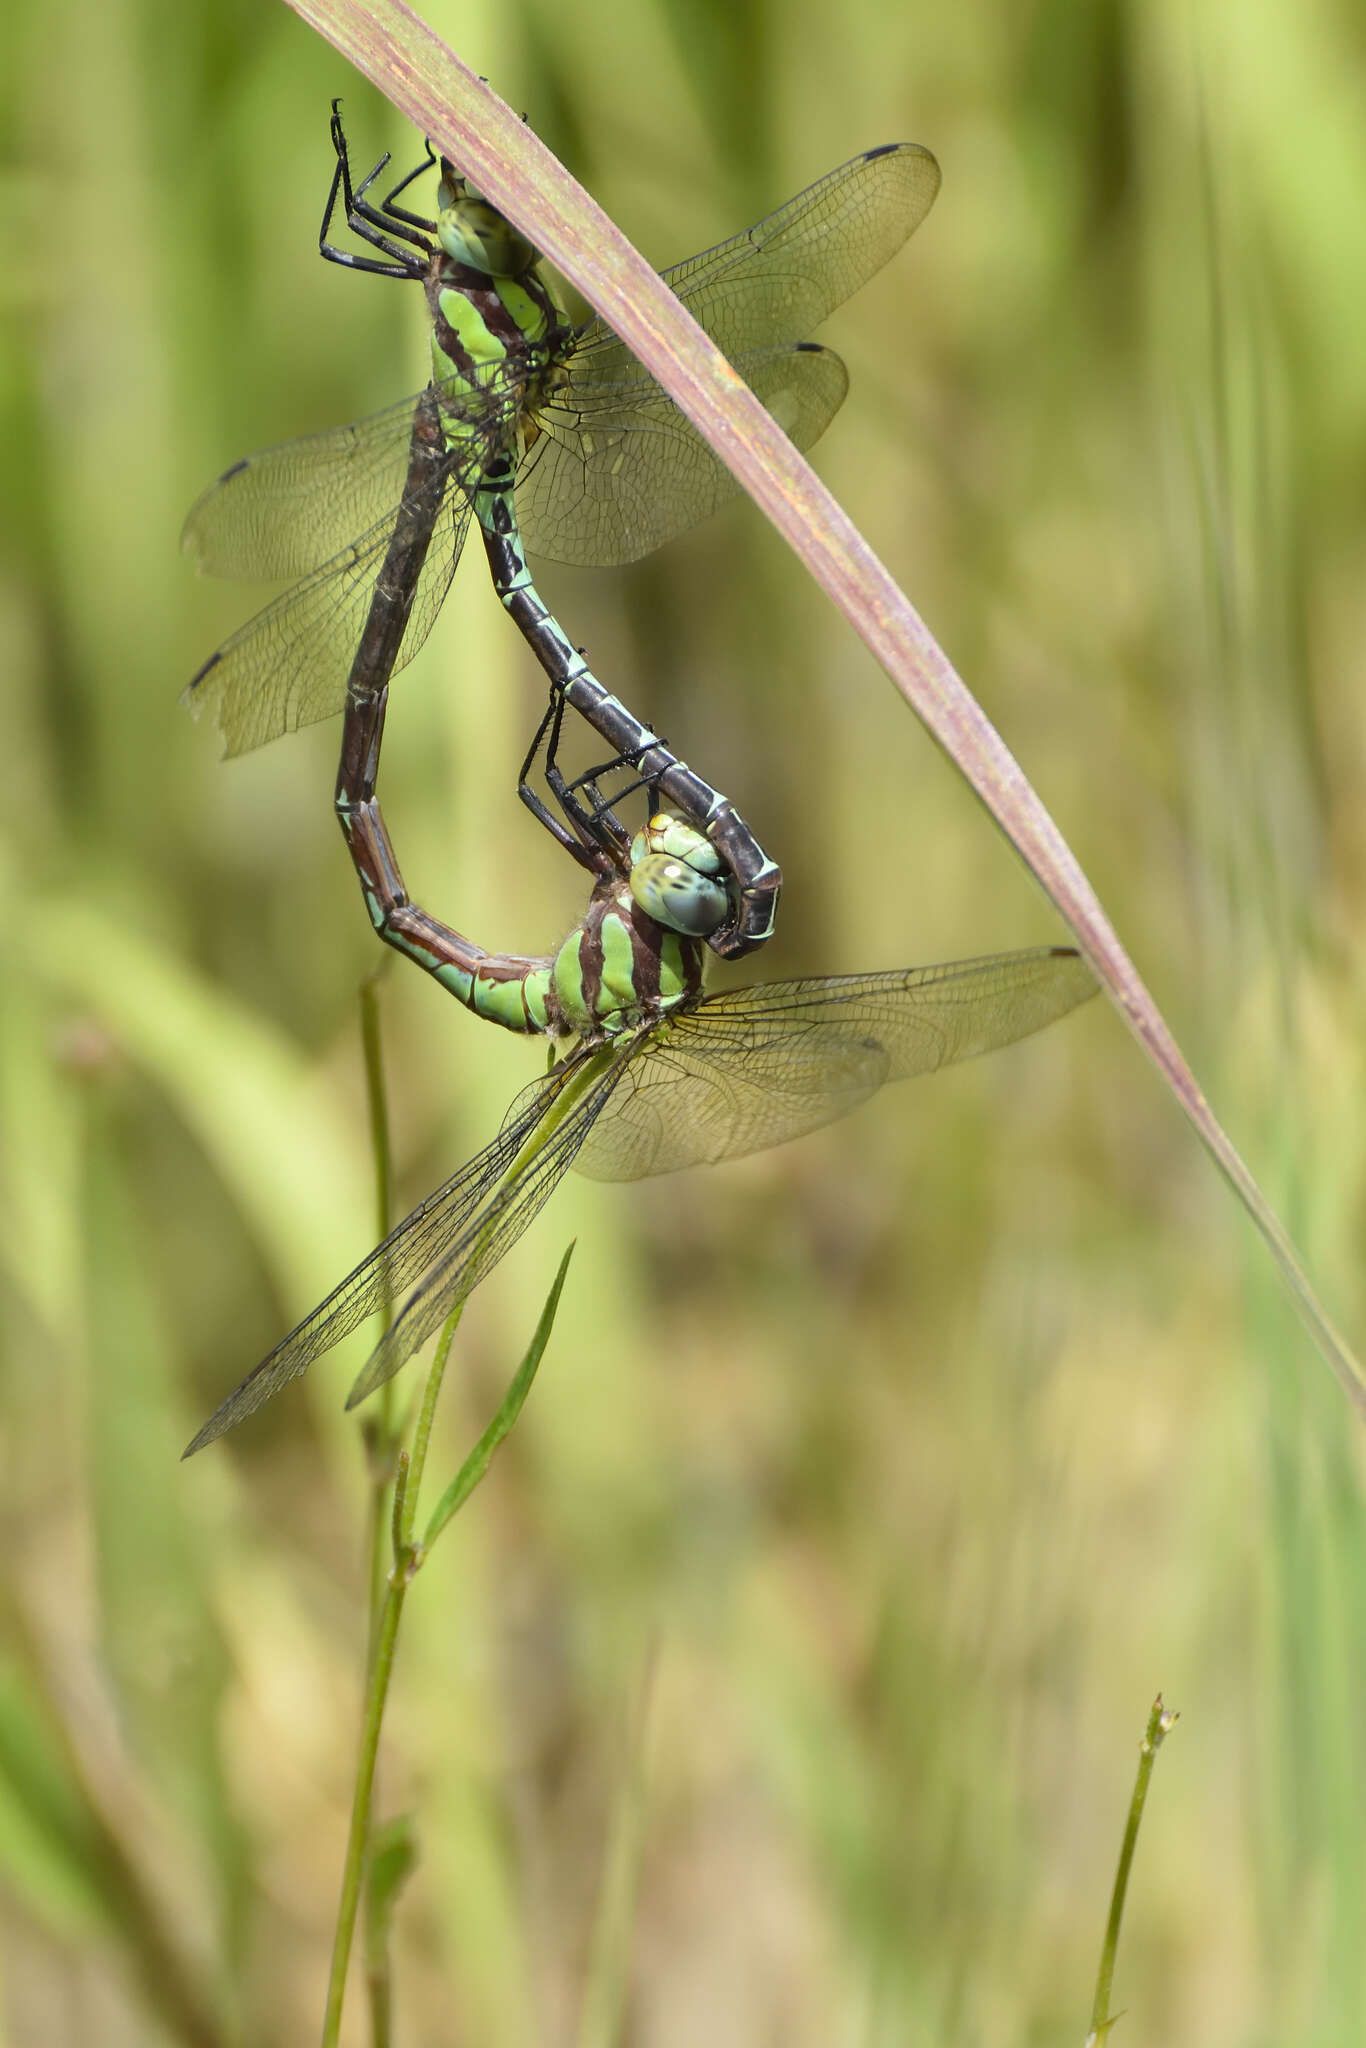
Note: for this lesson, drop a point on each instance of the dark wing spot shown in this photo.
(197, 678)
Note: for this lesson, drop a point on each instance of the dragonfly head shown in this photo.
(472, 231)
(678, 878)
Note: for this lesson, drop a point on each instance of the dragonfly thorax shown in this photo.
(621, 970)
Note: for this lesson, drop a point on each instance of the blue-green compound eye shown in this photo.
(675, 895)
(472, 231)
(678, 877)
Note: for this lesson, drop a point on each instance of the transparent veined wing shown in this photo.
(778, 280)
(617, 469)
(288, 666)
(540, 1159)
(293, 508)
(446, 1246)
(412, 471)
(781, 278)
(754, 1067)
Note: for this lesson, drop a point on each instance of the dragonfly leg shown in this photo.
(365, 220)
(588, 781)
(758, 879)
(596, 839)
(405, 226)
(412, 220)
(597, 820)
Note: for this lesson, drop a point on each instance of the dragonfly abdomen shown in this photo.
(758, 880)
(503, 989)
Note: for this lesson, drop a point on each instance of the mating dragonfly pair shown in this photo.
(556, 439)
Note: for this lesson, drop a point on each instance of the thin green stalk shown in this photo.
(378, 1433)
(575, 1083)
(408, 1558)
(377, 1693)
(405, 1565)
(390, 1860)
(1160, 1723)
(509, 1408)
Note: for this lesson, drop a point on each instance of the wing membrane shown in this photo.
(520, 1191)
(288, 666)
(297, 507)
(618, 469)
(450, 1242)
(754, 1067)
(778, 280)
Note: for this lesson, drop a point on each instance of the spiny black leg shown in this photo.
(578, 843)
(597, 821)
(407, 267)
(359, 209)
(362, 219)
(382, 216)
(415, 220)
(588, 784)
(598, 827)
(588, 781)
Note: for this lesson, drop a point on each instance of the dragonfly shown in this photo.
(653, 1075)
(552, 437)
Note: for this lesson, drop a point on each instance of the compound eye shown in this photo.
(473, 232)
(675, 895)
(666, 833)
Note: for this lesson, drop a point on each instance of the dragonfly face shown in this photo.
(679, 878)
(472, 231)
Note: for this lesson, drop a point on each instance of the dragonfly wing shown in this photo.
(289, 665)
(617, 469)
(754, 1067)
(520, 1187)
(414, 1260)
(778, 280)
(290, 509)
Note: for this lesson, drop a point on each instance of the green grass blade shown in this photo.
(1160, 1723)
(390, 1862)
(509, 1408)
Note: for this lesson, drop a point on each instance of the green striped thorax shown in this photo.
(638, 953)
(489, 305)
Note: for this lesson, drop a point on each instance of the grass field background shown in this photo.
(871, 1488)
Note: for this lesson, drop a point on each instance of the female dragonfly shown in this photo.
(653, 1074)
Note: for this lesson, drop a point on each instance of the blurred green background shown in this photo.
(908, 1462)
